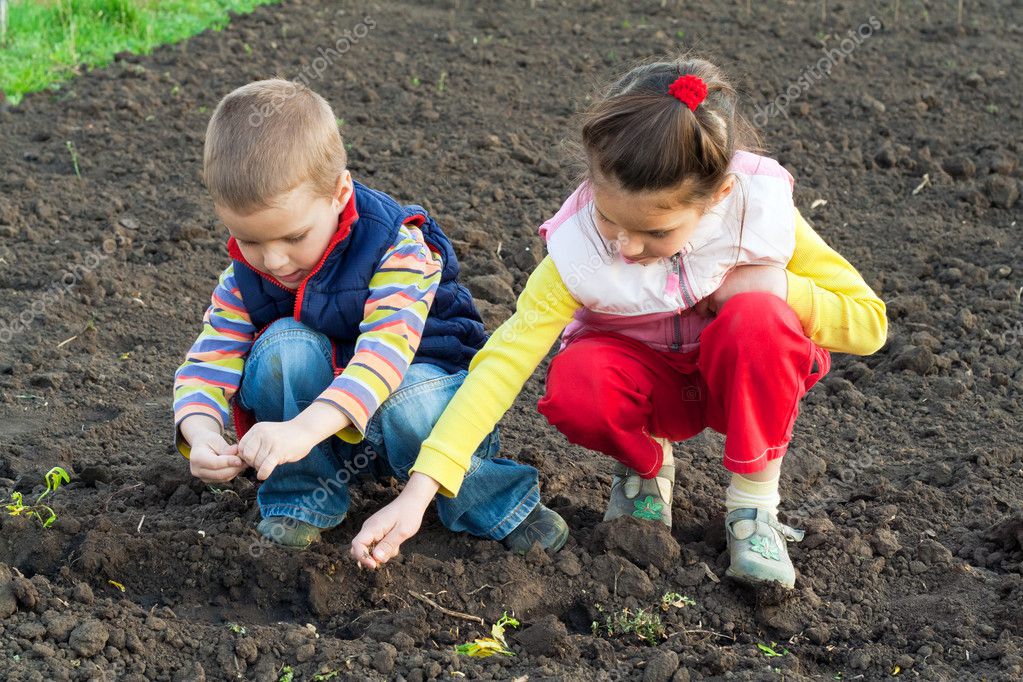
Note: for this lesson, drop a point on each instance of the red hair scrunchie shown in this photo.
(690, 90)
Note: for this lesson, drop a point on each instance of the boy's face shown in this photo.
(287, 240)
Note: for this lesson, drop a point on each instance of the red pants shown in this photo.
(610, 393)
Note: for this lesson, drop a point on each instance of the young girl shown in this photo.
(689, 293)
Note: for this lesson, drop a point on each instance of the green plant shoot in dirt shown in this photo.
(676, 600)
(488, 646)
(773, 650)
(74, 157)
(55, 477)
(645, 625)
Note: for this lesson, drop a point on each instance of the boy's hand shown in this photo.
(745, 278)
(212, 459)
(269, 444)
(382, 534)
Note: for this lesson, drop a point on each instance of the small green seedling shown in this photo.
(645, 625)
(55, 477)
(323, 677)
(676, 600)
(74, 157)
(772, 651)
(488, 646)
(287, 674)
(236, 629)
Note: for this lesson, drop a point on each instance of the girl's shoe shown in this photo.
(542, 525)
(642, 498)
(289, 532)
(756, 545)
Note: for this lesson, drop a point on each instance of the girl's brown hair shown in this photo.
(645, 139)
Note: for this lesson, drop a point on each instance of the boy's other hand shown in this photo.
(213, 459)
(742, 279)
(269, 444)
(382, 534)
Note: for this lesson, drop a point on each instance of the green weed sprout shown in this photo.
(55, 478)
(74, 157)
(772, 651)
(488, 646)
(645, 625)
(676, 600)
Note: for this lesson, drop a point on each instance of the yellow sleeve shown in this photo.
(496, 376)
(838, 310)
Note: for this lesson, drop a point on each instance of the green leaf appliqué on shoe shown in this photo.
(765, 547)
(648, 508)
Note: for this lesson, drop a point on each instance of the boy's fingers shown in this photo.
(218, 462)
(223, 448)
(261, 455)
(213, 475)
(266, 468)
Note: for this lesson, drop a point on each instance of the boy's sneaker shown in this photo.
(756, 545)
(643, 498)
(543, 525)
(289, 532)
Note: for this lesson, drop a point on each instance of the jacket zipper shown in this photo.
(677, 318)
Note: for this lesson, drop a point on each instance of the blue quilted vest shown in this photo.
(332, 301)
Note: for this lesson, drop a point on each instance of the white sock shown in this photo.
(743, 493)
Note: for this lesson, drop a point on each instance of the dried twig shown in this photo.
(106, 504)
(448, 612)
(698, 631)
(923, 183)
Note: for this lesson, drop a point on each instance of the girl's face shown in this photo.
(287, 240)
(648, 226)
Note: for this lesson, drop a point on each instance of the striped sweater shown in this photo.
(400, 294)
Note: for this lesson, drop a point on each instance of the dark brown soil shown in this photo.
(906, 469)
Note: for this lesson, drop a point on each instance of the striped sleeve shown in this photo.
(212, 370)
(400, 294)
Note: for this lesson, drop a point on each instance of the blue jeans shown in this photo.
(290, 365)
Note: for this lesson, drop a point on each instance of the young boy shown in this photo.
(339, 320)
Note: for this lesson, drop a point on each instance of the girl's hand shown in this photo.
(767, 278)
(269, 444)
(382, 534)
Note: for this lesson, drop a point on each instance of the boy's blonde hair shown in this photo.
(265, 139)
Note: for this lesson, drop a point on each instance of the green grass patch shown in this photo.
(50, 41)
